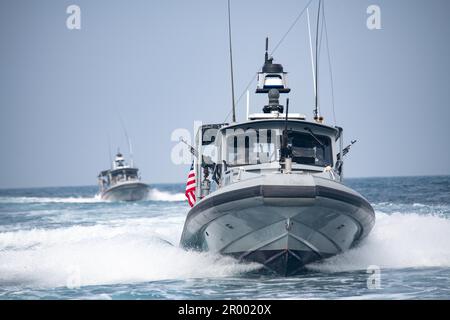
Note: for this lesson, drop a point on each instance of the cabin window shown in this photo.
(310, 149)
(259, 146)
(120, 163)
(251, 147)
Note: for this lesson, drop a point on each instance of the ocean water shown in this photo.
(65, 243)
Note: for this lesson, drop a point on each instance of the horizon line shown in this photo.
(162, 183)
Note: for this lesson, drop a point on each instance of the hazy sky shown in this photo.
(161, 65)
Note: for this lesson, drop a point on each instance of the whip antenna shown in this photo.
(231, 63)
(317, 116)
(311, 51)
(130, 148)
(109, 151)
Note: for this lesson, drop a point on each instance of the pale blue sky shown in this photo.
(163, 64)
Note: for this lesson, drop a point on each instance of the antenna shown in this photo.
(317, 116)
(252, 79)
(267, 50)
(109, 151)
(287, 114)
(324, 20)
(191, 148)
(311, 51)
(231, 63)
(248, 105)
(130, 148)
(286, 151)
(284, 139)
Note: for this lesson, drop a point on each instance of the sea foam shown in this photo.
(105, 254)
(157, 195)
(399, 240)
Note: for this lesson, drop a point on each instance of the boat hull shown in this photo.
(128, 191)
(283, 222)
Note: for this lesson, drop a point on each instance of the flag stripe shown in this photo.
(190, 187)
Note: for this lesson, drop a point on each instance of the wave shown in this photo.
(440, 209)
(153, 195)
(157, 195)
(103, 254)
(136, 248)
(50, 199)
(399, 240)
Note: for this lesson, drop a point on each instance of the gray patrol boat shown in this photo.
(122, 182)
(274, 192)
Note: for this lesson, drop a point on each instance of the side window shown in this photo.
(307, 150)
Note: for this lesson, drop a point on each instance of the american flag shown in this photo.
(190, 186)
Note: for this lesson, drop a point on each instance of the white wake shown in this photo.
(153, 195)
(157, 195)
(126, 251)
(19, 200)
(400, 240)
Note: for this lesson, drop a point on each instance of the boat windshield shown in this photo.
(252, 146)
(120, 175)
(259, 146)
(310, 149)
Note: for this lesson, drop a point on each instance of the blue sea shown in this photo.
(65, 243)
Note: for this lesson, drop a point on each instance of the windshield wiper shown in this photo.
(314, 136)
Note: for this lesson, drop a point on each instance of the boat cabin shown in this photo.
(255, 147)
(259, 142)
(121, 172)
